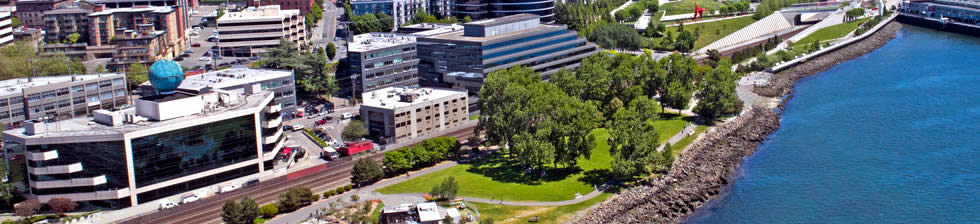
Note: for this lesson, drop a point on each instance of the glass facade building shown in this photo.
(83, 160)
(488, 9)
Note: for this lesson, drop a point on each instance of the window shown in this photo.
(77, 89)
(47, 95)
(91, 86)
(120, 92)
(62, 92)
(64, 103)
(78, 100)
(3, 102)
(35, 109)
(50, 106)
(17, 113)
(93, 99)
(118, 82)
(107, 95)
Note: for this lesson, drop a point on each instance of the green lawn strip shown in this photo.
(680, 145)
(669, 125)
(259, 220)
(376, 214)
(494, 177)
(317, 139)
(553, 214)
(714, 31)
(831, 32)
(474, 117)
(687, 6)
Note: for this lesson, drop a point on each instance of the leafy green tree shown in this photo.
(294, 198)
(6, 188)
(366, 171)
(446, 190)
(14, 22)
(717, 96)
(396, 162)
(467, 19)
(269, 210)
(231, 212)
(136, 74)
(250, 210)
(761, 11)
(387, 23)
(100, 69)
(331, 51)
(633, 144)
(73, 38)
(618, 36)
(685, 42)
(354, 131)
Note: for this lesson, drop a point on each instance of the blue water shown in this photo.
(890, 137)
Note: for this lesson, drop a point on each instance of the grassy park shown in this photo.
(713, 31)
(831, 32)
(687, 6)
(683, 143)
(546, 214)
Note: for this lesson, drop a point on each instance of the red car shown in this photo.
(299, 114)
(321, 122)
(196, 45)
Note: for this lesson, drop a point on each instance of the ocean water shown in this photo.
(890, 137)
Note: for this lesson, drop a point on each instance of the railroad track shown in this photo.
(208, 210)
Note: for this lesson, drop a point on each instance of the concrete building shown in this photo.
(396, 114)
(60, 97)
(6, 28)
(489, 9)
(60, 23)
(30, 12)
(401, 10)
(485, 46)
(255, 29)
(163, 147)
(142, 34)
(380, 60)
(280, 82)
(181, 7)
(304, 6)
(33, 35)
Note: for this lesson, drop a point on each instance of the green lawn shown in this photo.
(495, 177)
(713, 31)
(509, 214)
(680, 145)
(669, 125)
(831, 32)
(687, 6)
(474, 117)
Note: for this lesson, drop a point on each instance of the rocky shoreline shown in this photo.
(703, 171)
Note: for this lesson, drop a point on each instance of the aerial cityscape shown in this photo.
(489, 111)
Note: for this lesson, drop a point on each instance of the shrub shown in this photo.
(340, 190)
(316, 197)
(348, 187)
(269, 210)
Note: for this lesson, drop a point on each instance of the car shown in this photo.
(167, 204)
(204, 59)
(298, 127)
(250, 183)
(188, 51)
(196, 45)
(346, 116)
(299, 114)
(227, 188)
(321, 122)
(288, 128)
(189, 198)
(241, 60)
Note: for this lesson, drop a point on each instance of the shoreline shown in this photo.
(704, 169)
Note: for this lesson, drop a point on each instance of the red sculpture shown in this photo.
(698, 11)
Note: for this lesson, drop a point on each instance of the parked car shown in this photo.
(298, 127)
(189, 198)
(250, 183)
(321, 122)
(204, 59)
(196, 45)
(167, 204)
(347, 116)
(188, 51)
(227, 188)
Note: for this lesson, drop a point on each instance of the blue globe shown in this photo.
(165, 76)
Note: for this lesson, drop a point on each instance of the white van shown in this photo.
(346, 116)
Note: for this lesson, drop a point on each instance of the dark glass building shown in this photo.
(488, 9)
(164, 148)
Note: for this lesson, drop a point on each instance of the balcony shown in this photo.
(76, 182)
(273, 109)
(272, 122)
(70, 168)
(90, 196)
(268, 154)
(273, 137)
(41, 156)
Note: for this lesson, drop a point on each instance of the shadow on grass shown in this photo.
(500, 168)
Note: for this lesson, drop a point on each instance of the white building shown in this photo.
(280, 82)
(6, 28)
(255, 29)
(394, 114)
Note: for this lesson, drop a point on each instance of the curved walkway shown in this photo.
(591, 195)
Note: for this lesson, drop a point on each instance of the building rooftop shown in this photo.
(16, 86)
(396, 97)
(429, 212)
(261, 12)
(503, 20)
(230, 77)
(372, 41)
(439, 30)
(458, 35)
(87, 126)
(150, 9)
(68, 11)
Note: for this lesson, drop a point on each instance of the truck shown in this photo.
(356, 147)
(330, 153)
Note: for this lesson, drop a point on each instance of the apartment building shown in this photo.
(139, 35)
(30, 12)
(181, 7)
(253, 30)
(165, 147)
(60, 23)
(396, 114)
(380, 60)
(462, 58)
(304, 6)
(401, 10)
(59, 97)
(6, 28)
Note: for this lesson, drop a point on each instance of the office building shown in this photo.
(486, 46)
(253, 30)
(30, 11)
(163, 147)
(59, 97)
(60, 23)
(489, 9)
(379, 60)
(401, 10)
(6, 28)
(440, 8)
(304, 6)
(279, 82)
(395, 114)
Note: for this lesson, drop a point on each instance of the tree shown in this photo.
(331, 51)
(717, 96)
(27, 208)
(618, 36)
(136, 74)
(6, 188)
(761, 11)
(387, 23)
(633, 144)
(354, 131)
(61, 205)
(684, 42)
(14, 22)
(854, 13)
(100, 69)
(231, 212)
(250, 210)
(396, 162)
(294, 198)
(467, 19)
(366, 171)
(319, 84)
(487, 220)
(269, 210)
(73, 38)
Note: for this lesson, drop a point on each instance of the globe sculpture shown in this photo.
(165, 76)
